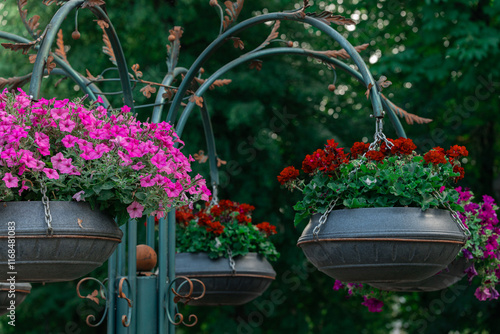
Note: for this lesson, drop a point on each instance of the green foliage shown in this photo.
(223, 229)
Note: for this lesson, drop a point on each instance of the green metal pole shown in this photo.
(162, 276)
(171, 265)
(132, 271)
(111, 296)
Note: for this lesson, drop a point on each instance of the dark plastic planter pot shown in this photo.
(71, 252)
(373, 245)
(21, 290)
(253, 276)
(442, 280)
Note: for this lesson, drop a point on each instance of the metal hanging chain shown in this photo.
(379, 136)
(453, 214)
(215, 198)
(324, 216)
(232, 264)
(48, 216)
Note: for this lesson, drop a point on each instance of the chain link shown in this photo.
(215, 198)
(46, 205)
(379, 136)
(453, 213)
(324, 216)
(232, 264)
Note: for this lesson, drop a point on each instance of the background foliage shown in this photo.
(442, 57)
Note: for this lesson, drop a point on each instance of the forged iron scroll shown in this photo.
(94, 297)
(125, 318)
(185, 299)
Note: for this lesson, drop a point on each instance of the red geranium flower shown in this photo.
(215, 227)
(403, 146)
(288, 174)
(456, 151)
(266, 228)
(358, 149)
(312, 161)
(458, 169)
(375, 155)
(435, 156)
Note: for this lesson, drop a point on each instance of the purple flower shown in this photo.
(471, 272)
(467, 254)
(373, 304)
(482, 293)
(337, 285)
(78, 196)
(494, 294)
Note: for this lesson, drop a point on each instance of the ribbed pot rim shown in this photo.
(29, 217)
(383, 224)
(249, 265)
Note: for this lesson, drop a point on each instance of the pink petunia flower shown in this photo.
(51, 173)
(10, 180)
(135, 210)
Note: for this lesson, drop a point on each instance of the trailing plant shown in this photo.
(481, 250)
(223, 229)
(388, 174)
(107, 158)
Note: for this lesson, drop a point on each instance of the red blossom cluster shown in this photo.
(266, 228)
(329, 159)
(326, 160)
(214, 218)
(288, 174)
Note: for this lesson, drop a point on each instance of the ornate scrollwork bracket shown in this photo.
(184, 298)
(94, 296)
(125, 318)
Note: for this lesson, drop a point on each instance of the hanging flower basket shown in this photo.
(380, 213)
(382, 244)
(252, 276)
(453, 273)
(7, 295)
(80, 241)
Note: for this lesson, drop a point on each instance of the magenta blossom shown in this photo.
(373, 304)
(10, 180)
(135, 210)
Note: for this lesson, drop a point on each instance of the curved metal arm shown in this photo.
(367, 77)
(89, 88)
(159, 101)
(121, 62)
(209, 138)
(273, 51)
(43, 51)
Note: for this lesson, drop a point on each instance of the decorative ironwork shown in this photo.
(94, 296)
(183, 298)
(125, 318)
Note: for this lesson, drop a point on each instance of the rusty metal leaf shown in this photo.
(169, 93)
(274, 34)
(329, 18)
(200, 157)
(89, 75)
(233, 9)
(32, 59)
(409, 117)
(256, 64)
(60, 46)
(92, 3)
(148, 90)
(196, 99)
(107, 48)
(237, 43)
(25, 47)
(93, 297)
(14, 82)
(383, 82)
(220, 83)
(342, 53)
(50, 65)
(370, 85)
(220, 162)
(49, 2)
(137, 73)
(177, 32)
